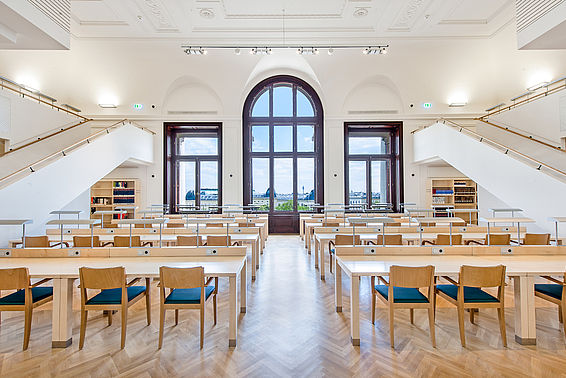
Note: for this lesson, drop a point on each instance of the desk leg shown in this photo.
(355, 310)
(323, 246)
(62, 322)
(338, 287)
(257, 248)
(254, 262)
(308, 236)
(525, 321)
(233, 317)
(243, 288)
(315, 253)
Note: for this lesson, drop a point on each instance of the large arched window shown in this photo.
(283, 162)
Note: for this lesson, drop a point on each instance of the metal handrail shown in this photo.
(29, 168)
(5, 83)
(503, 147)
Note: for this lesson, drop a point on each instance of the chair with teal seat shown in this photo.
(341, 240)
(467, 293)
(187, 290)
(115, 294)
(555, 293)
(403, 292)
(26, 298)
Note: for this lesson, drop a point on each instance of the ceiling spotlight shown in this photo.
(237, 51)
(330, 51)
(375, 50)
(195, 51)
(307, 51)
(383, 50)
(261, 51)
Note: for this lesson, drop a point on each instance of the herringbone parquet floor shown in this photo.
(290, 330)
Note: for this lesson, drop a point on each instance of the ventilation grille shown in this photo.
(373, 112)
(529, 11)
(59, 11)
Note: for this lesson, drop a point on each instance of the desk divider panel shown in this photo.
(177, 252)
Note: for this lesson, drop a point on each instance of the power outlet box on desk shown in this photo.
(370, 250)
(5, 253)
(506, 250)
(144, 252)
(211, 251)
(437, 250)
(74, 252)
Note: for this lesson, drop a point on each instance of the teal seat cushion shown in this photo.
(188, 296)
(471, 294)
(114, 296)
(402, 294)
(19, 297)
(552, 290)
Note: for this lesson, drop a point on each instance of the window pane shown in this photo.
(260, 181)
(261, 106)
(283, 138)
(283, 184)
(198, 146)
(186, 190)
(305, 138)
(379, 181)
(366, 145)
(304, 106)
(305, 183)
(208, 184)
(357, 182)
(283, 101)
(260, 138)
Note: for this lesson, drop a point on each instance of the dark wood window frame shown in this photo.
(395, 157)
(248, 121)
(171, 157)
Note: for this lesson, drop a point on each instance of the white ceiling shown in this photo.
(288, 21)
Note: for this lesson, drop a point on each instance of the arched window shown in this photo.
(283, 162)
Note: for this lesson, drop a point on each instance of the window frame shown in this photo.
(394, 158)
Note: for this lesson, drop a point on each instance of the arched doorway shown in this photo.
(283, 150)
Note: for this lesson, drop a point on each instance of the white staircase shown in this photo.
(33, 195)
(540, 192)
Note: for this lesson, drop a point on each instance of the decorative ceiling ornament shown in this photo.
(361, 12)
(206, 13)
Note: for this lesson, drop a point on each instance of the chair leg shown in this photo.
(84, 315)
(560, 318)
(472, 315)
(564, 315)
(176, 316)
(330, 258)
(214, 309)
(201, 327)
(431, 326)
(371, 290)
(461, 325)
(391, 327)
(412, 315)
(124, 326)
(148, 304)
(109, 315)
(27, 326)
(161, 324)
(501, 316)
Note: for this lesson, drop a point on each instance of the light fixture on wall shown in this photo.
(457, 104)
(307, 51)
(300, 49)
(261, 51)
(379, 50)
(195, 50)
(107, 106)
(540, 85)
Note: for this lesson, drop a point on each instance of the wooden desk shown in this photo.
(65, 271)
(522, 269)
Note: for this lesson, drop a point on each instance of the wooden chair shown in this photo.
(124, 241)
(188, 290)
(442, 239)
(330, 224)
(468, 294)
(244, 224)
(220, 241)
(393, 239)
(215, 225)
(341, 240)
(555, 293)
(189, 241)
(175, 225)
(26, 298)
(495, 239)
(85, 241)
(115, 295)
(536, 239)
(402, 291)
(40, 242)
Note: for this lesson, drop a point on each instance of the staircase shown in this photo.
(54, 181)
(517, 179)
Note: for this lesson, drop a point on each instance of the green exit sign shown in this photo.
(427, 105)
(138, 106)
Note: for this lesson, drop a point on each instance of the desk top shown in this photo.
(143, 221)
(505, 209)
(72, 222)
(66, 212)
(438, 220)
(507, 220)
(110, 212)
(558, 219)
(14, 222)
(516, 265)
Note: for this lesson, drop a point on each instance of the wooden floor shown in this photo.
(290, 330)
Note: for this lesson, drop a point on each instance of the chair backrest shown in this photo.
(317, 216)
(482, 276)
(218, 240)
(395, 239)
(14, 278)
(102, 278)
(189, 241)
(361, 224)
(85, 241)
(214, 225)
(537, 239)
(181, 278)
(244, 224)
(124, 241)
(175, 225)
(429, 224)
(330, 224)
(442, 239)
(139, 225)
(411, 276)
(37, 242)
(394, 224)
(347, 240)
(499, 239)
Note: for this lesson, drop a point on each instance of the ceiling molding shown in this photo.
(406, 19)
(158, 15)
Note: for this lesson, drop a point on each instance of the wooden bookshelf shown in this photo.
(112, 194)
(454, 193)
